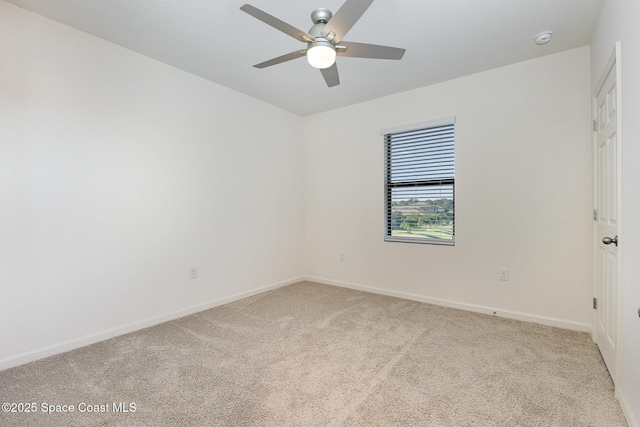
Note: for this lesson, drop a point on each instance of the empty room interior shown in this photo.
(192, 233)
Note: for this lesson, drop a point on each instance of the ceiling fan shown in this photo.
(324, 39)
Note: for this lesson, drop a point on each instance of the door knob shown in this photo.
(609, 240)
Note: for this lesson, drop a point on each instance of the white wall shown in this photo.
(619, 22)
(118, 173)
(523, 194)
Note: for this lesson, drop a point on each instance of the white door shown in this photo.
(607, 198)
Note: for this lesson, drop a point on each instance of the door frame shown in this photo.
(614, 61)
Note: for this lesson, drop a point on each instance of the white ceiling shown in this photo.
(444, 39)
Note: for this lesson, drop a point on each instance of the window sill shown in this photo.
(420, 240)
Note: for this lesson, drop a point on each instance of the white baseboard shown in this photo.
(549, 321)
(132, 327)
(627, 410)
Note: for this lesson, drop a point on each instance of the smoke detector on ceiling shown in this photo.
(544, 37)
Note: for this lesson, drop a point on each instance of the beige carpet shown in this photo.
(316, 355)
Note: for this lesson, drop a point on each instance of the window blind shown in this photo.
(419, 185)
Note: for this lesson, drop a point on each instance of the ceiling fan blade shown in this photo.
(331, 75)
(346, 17)
(364, 50)
(281, 59)
(276, 23)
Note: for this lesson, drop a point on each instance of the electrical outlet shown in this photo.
(503, 274)
(193, 272)
(341, 256)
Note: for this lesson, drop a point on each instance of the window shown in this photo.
(419, 183)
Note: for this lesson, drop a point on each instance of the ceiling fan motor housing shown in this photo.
(320, 18)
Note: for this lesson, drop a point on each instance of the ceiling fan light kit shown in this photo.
(323, 38)
(321, 54)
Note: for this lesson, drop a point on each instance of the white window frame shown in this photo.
(440, 178)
